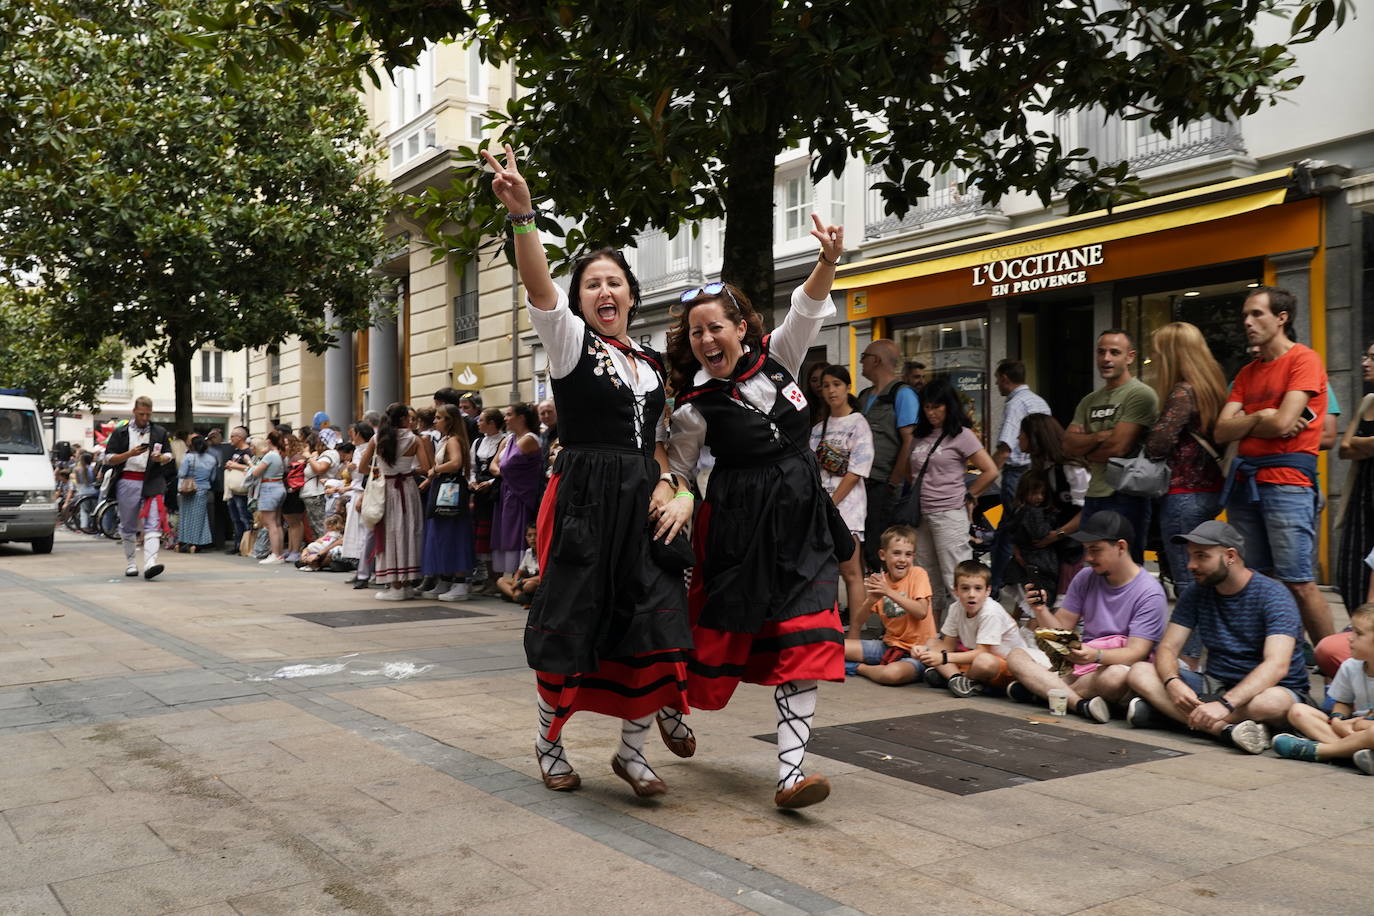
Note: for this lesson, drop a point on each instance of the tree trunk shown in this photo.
(748, 193)
(180, 354)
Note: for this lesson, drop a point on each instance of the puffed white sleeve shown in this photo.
(686, 436)
(799, 329)
(561, 333)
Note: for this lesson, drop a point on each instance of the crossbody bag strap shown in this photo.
(916, 485)
(1206, 446)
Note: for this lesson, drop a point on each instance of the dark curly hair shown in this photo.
(615, 257)
(682, 363)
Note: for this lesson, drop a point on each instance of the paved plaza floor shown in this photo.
(155, 759)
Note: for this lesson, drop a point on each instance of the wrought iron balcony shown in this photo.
(1113, 139)
(214, 390)
(944, 202)
(661, 263)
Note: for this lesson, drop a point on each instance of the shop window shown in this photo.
(953, 348)
(1211, 299)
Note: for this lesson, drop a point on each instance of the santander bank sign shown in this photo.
(1030, 273)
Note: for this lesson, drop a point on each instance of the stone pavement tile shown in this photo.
(400, 707)
(193, 685)
(430, 690)
(97, 812)
(34, 672)
(420, 790)
(49, 787)
(346, 753)
(1002, 816)
(876, 832)
(1134, 905)
(218, 824)
(1127, 790)
(88, 853)
(15, 699)
(1319, 799)
(1291, 883)
(571, 873)
(256, 712)
(240, 757)
(806, 854)
(220, 735)
(905, 891)
(306, 798)
(192, 881)
(1061, 873)
(1197, 837)
(452, 729)
(370, 843)
(1209, 762)
(210, 909)
(31, 901)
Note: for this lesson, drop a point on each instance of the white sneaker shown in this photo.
(393, 594)
(272, 561)
(459, 592)
(433, 592)
(131, 570)
(1250, 736)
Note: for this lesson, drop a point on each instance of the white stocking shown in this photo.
(553, 760)
(130, 542)
(152, 542)
(796, 702)
(673, 723)
(631, 750)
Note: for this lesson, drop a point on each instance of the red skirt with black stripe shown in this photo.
(807, 646)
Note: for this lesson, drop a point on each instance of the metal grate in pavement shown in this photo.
(372, 616)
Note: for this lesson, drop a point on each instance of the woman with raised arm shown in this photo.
(608, 629)
(764, 589)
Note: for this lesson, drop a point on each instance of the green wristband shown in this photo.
(522, 228)
(683, 494)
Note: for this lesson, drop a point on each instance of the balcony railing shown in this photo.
(1112, 139)
(660, 262)
(941, 203)
(465, 313)
(214, 390)
(116, 388)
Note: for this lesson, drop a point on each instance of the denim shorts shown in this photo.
(1279, 530)
(1208, 687)
(270, 495)
(873, 654)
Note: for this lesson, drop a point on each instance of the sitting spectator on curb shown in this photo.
(901, 597)
(520, 585)
(1123, 610)
(974, 619)
(1352, 714)
(319, 552)
(1250, 627)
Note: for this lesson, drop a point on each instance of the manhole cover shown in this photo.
(367, 617)
(965, 752)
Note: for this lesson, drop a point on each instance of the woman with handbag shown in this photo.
(1192, 390)
(357, 539)
(392, 457)
(768, 539)
(447, 552)
(193, 486)
(942, 448)
(486, 491)
(843, 443)
(236, 469)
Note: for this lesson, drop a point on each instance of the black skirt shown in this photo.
(601, 595)
(768, 555)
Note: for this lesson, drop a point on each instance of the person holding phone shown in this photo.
(141, 456)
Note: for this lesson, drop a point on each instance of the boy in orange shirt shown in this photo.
(901, 597)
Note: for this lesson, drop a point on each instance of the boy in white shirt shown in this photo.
(975, 620)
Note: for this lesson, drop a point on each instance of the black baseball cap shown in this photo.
(1105, 526)
(1213, 534)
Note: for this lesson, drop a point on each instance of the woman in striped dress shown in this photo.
(395, 453)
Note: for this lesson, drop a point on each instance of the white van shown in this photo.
(28, 511)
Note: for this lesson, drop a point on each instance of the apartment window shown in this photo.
(412, 89)
(118, 373)
(211, 366)
(477, 73)
(796, 204)
(837, 200)
(475, 122)
(465, 305)
(273, 367)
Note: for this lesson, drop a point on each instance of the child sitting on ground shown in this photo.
(1353, 691)
(974, 619)
(901, 597)
(520, 585)
(1028, 523)
(316, 555)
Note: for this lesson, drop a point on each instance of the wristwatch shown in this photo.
(668, 477)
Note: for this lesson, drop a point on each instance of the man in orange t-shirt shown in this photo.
(1276, 411)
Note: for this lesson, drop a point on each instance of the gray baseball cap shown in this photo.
(1213, 534)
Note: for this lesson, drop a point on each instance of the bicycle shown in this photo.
(105, 519)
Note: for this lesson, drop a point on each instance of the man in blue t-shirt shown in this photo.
(1250, 626)
(891, 409)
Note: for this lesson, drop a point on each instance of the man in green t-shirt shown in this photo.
(1111, 423)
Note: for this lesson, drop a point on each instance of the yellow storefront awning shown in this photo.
(1171, 211)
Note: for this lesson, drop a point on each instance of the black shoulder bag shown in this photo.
(908, 507)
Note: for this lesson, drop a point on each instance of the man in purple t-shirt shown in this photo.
(1123, 611)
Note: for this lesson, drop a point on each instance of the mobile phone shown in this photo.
(1309, 414)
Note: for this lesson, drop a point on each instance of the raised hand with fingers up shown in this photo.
(508, 184)
(817, 285)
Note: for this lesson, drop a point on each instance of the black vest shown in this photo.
(740, 435)
(596, 407)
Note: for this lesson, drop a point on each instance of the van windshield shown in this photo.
(19, 432)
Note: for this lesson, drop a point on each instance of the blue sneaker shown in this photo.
(851, 669)
(1295, 748)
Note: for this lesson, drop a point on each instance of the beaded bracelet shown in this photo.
(523, 228)
(834, 263)
(521, 219)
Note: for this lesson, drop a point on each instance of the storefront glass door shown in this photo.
(955, 348)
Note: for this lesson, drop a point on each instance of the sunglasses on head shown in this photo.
(710, 289)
